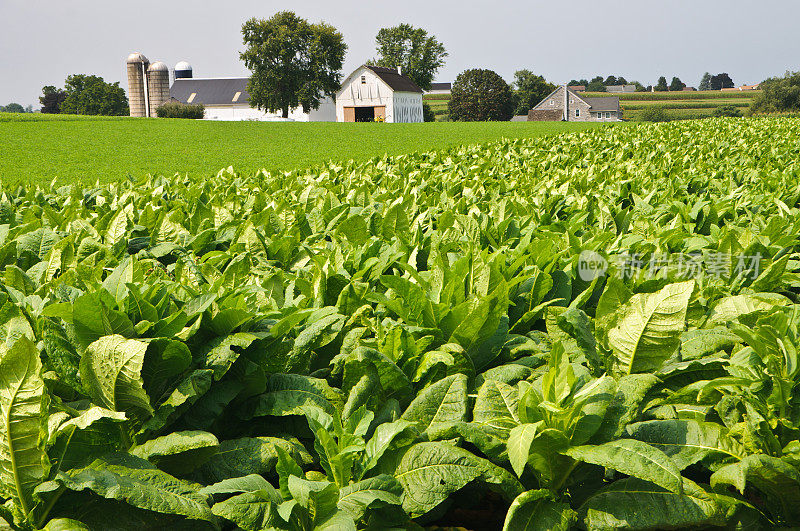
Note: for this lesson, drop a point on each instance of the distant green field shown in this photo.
(36, 148)
(659, 96)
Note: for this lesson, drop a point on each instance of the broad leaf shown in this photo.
(111, 370)
(648, 328)
(23, 407)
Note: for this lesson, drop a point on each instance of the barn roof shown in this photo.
(211, 91)
(441, 86)
(396, 81)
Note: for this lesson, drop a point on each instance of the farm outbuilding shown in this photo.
(377, 94)
(226, 98)
(564, 104)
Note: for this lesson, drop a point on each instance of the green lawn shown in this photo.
(88, 150)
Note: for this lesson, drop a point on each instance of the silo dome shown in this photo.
(158, 66)
(137, 57)
(183, 70)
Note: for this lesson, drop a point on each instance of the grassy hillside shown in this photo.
(37, 148)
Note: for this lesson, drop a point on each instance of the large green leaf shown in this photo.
(535, 510)
(635, 504)
(111, 370)
(776, 478)
(377, 491)
(23, 407)
(93, 433)
(540, 447)
(624, 408)
(138, 483)
(496, 405)
(648, 328)
(256, 455)
(687, 441)
(634, 458)
(179, 452)
(294, 394)
(444, 401)
(252, 511)
(430, 472)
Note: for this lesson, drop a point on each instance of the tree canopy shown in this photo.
(417, 53)
(529, 90)
(705, 82)
(721, 81)
(293, 63)
(661, 86)
(91, 95)
(480, 95)
(778, 94)
(51, 99)
(677, 85)
(12, 107)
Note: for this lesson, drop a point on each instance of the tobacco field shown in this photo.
(589, 331)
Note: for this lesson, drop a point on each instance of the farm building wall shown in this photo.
(545, 115)
(579, 110)
(407, 108)
(243, 111)
(555, 102)
(363, 88)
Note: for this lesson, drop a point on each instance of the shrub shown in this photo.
(727, 111)
(655, 114)
(176, 109)
(427, 113)
(780, 94)
(481, 95)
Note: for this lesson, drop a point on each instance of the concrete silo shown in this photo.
(137, 84)
(157, 86)
(183, 70)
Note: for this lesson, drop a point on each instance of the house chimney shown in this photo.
(400, 70)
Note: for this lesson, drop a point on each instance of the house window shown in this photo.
(552, 102)
(363, 80)
(577, 113)
(608, 115)
(571, 101)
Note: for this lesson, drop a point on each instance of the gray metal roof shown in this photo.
(441, 86)
(216, 91)
(396, 81)
(607, 103)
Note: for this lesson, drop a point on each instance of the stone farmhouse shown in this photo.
(565, 105)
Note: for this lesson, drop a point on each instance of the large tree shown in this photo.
(418, 54)
(12, 107)
(778, 94)
(705, 82)
(721, 81)
(661, 86)
(294, 63)
(51, 99)
(91, 95)
(677, 85)
(529, 90)
(480, 96)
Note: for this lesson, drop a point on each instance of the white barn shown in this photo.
(226, 98)
(373, 93)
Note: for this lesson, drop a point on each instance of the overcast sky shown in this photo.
(42, 41)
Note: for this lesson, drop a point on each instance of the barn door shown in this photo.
(349, 114)
(380, 114)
